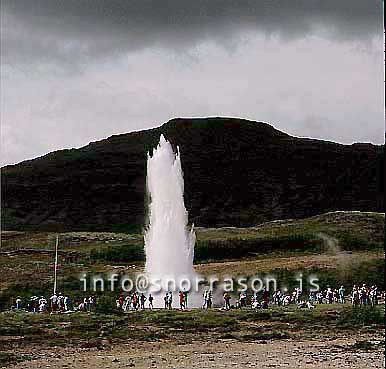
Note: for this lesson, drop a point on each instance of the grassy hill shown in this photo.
(329, 232)
(340, 246)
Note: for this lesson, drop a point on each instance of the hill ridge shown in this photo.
(233, 177)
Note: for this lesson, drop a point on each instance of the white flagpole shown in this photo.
(56, 262)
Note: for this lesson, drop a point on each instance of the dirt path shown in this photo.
(335, 353)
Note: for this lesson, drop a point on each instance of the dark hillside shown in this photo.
(237, 173)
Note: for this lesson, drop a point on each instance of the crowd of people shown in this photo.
(56, 303)
(137, 301)
(134, 301)
(365, 296)
(359, 296)
(208, 299)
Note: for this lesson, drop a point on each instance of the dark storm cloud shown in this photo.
(78, 71)
(60, 31)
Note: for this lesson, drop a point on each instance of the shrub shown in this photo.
(363, 315)
(239, 248)
(123, 253)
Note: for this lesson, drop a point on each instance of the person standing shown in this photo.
(91, 303)
(67, 303)
(126, 303)
(311, 297)
(355, 296)
(135, 301)
(121, 300)
(151, 298)
(18, 303)
(42, 304)
(363, 295)
(242, 300)
(35, 304)
(142, 300)
(205, 299)
(227, 300)
(185, 298)
(373, 294)
(265, 298)
(170, 300)
(209, 299)
(54, 303)
(166, 300)
(182, 300)
(335, 295)
(60, 302)
(298, 295)
(342, 297)
(319, 297)
(329, 295)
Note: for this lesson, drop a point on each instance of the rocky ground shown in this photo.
(342, 352)
(331, 336)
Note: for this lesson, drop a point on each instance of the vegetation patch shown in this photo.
(8, 358)
(362, 316)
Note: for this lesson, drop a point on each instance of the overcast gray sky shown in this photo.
(79, 71)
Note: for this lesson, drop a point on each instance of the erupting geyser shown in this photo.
(169, 244)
